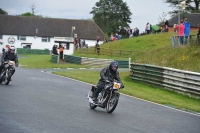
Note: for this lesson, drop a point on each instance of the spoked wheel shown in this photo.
(92, 106)
(7, 78)
(112, 104)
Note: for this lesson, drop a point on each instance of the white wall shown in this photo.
(70, 51)
(36, 42)
(92, 42)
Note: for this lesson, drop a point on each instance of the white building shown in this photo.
(43, 33)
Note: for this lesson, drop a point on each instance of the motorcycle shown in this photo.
(108, 98)
(6, 73)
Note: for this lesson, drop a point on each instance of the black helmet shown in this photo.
(112, 65)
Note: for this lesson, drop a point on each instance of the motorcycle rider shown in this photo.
(107, 74)
(9, 55)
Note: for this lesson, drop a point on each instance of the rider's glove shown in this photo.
(16, 65)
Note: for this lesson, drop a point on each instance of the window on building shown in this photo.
(46, 39)
(1, 36)
(23, 38)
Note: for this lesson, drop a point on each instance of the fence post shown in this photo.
(120, 52)
(129, 63)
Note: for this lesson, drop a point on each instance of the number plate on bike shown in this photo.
(116, 85)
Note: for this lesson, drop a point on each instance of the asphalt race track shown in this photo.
(37, 102)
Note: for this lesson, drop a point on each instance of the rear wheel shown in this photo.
(112, 103)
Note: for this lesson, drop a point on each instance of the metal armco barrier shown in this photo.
(94, 61)
(72, 59)
(55, 58)
(177, 80)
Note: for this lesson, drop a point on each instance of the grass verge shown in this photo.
(156, 49)
(44, 61)
(140, 90)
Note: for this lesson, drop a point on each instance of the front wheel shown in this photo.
(112, 103)
(7, 77)
(92, 106)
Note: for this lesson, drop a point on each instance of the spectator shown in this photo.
(174, 27)
(83, 42)
(198, 30)
(129, 32)
(111, 37)
(97, 46)
(118, 37)
(79, 42)
(186, 31)
(55, 50)
(76, 43)
(180, 28)
(115, 38)
(105, 40)
(61, 48)
(166, 26)
(97, 39)
(137, 31)
(148, 28)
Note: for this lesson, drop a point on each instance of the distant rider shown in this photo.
(9, 55)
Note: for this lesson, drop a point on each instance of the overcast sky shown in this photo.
(143, 11)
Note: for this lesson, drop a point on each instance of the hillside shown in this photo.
(156, 49)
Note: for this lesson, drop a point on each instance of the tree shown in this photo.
(162, 18)
(3, 12)
(33, 9)
(32, 13)
(27, 14)
(110, 15)
(191, 6)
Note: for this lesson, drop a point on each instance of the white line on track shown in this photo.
(198, 114)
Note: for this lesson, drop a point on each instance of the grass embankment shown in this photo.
(140, 90)
(44, 61)
(156, 49)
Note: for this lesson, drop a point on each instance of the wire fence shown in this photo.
(185, 40)
(108, 52)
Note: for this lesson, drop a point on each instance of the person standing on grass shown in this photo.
(198, 30)
(55, 50)
(61, 48)
(148, 28)
(166, 26)
(180, 28)
(186, 31)
(97, 39)
(198, 34)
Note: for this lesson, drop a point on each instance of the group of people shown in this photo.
(8, 55)
(131, 32)
(183, 31)
(55, 50)
(79, 43)
(162, 28)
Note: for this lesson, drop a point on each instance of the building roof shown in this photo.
(193, 19)
(50, 27)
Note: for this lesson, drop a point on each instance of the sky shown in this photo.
(143, 11)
